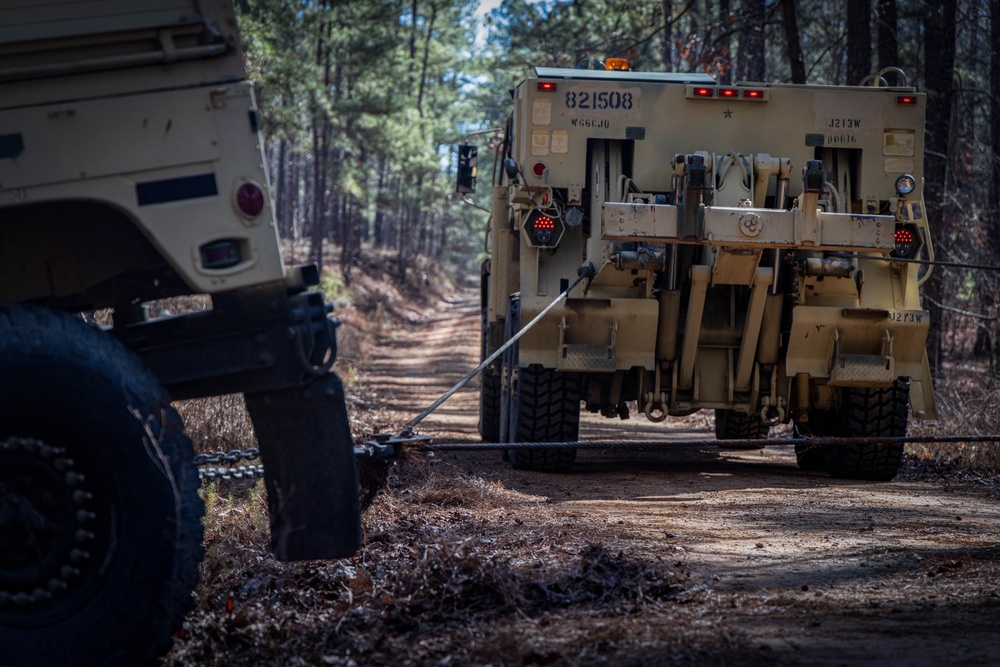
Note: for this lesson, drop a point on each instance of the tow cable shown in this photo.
(385, 446)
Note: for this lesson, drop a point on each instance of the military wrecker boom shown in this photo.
(131, 170)
(747, 244)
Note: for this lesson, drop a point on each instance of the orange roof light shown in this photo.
(619, 64)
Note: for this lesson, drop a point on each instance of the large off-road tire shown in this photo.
(870, 412)
(489, 392)
(100, 519)
(489, 404)
(545, 408)
(735, 425)
(537, 404)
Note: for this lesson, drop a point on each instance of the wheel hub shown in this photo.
(46, 525)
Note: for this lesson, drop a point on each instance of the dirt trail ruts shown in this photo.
(804, 569)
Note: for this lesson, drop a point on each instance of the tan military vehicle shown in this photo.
(747, 248)
(131, 170)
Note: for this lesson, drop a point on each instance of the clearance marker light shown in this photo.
(753, 94)
(704, 92)
(547, 86)
(728, 92)
(908, 100)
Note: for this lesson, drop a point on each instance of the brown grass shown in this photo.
(440, 566)
(968, 402)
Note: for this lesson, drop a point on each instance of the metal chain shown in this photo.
(229, 472)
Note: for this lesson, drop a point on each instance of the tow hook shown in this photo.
(385, 446)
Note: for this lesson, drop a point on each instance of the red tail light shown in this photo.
(728, 92)
(250, 199)
(907, 100)
(907, 242)
(547, 86)
(704, 92)
(542, 228)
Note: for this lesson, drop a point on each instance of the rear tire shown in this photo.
(489, 392)
(735, 425)
(871, 412)
(546, 408)
(537, 404)
(100, 533)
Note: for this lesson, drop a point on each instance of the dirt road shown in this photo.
(766, 564)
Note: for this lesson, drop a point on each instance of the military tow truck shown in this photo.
(749, 248)
(131, 170)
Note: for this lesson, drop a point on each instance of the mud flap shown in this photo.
(922, 402)
(310, 470)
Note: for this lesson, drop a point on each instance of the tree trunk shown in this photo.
(321, 137)
(725, 42)
(426, 58)
(668, 35)
(993, 197)
(752, 63)
(378, 231)
(888, 41)
(793, 43)
(859, 40)
(280, 193)
(939, 59)
(994, 183)
(318, 197)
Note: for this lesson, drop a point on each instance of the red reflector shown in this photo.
(539, 169)
(544, 222)
(704, 92)
(548, 86)
(250, 199)
(908, 100)
(753, 93)
(728, 92)
(903, 235)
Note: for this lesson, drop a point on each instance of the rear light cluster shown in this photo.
(543, 230)
(728, 93)
(906, 242)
